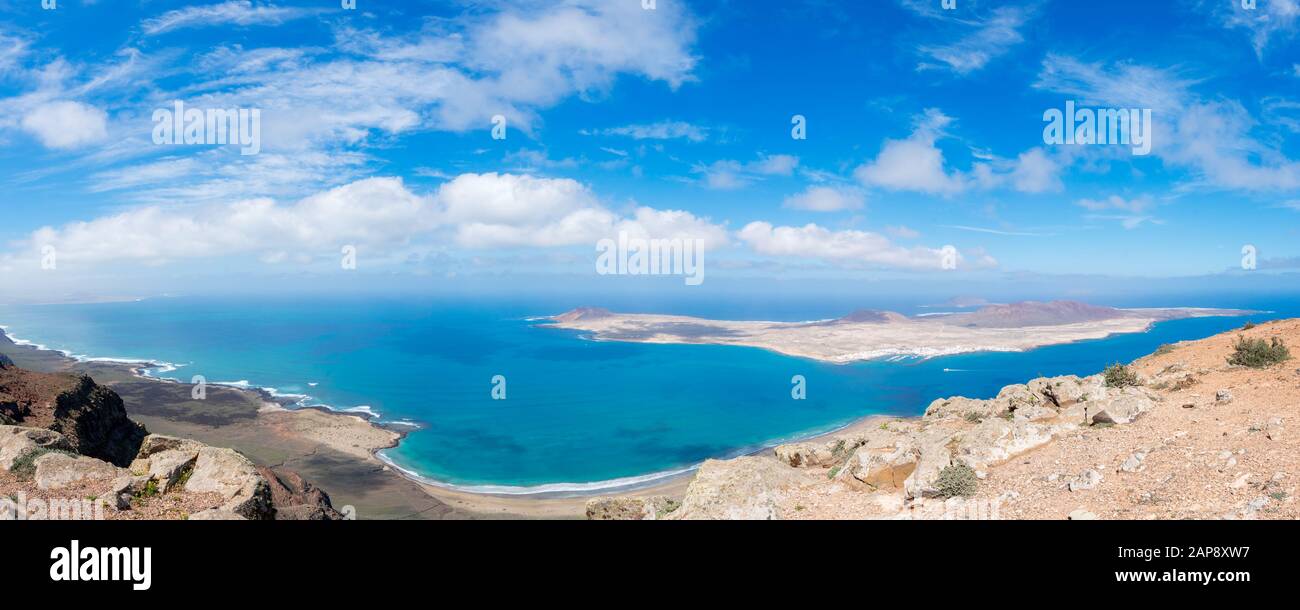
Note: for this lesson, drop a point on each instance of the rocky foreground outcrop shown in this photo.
(1167, 437)
(65, 436)
(90, 417)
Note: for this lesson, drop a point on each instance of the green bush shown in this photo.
(1258, 353)
(957, 480)
(1120, 375)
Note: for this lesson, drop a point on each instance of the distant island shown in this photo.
(871, 334)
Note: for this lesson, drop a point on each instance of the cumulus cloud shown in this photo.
(375, 211)
(476, 211)
(233, 12)
(827, 199)
(914, 163)
(849, 248)
(506, 210)
(66, 124)
(917, 164)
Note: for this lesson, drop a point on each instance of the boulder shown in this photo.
(295, 499)
(168, 467)
(996, 440)
(801, 455)
(933, 457)
(158, 443)
(1035, 413)
(58, 470)
(120, 492)
(1067, 390)
(217, 514)
(881, 468)
(226, 472)
(750, 488)
(1121, 409)
(17, 441)
(623, 508)
(960, 406)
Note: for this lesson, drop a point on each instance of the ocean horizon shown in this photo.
(579, 416)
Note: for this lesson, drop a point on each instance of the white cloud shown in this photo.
(827, 199)
(850, 248)
(903, 232)
(1132, 212)
(992, 37)
(66, 124)
(1035, 172)
(730, 174)
(662, 130)
(233, 12)
(380, 214)
(506, 210)
(915, 163)
(376, 211)
(1211, 137)
(1268, 21)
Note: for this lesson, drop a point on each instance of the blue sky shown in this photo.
(924, 130)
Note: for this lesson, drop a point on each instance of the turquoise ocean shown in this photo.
(579, 415)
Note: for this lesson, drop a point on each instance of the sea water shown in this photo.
(577, 414)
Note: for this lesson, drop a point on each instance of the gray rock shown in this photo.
(217, 514)
(881, 467)
(1122, 409)
(1134, 463)
(158, 443)
(1080, 514)
(934, 457)
(997, 440)
(801, 455)
(232, 475)
(57, 471)
(745, 488)
(166, 467)
(1223, 396)
(17, 441)
(624, 508)
(1088, 480)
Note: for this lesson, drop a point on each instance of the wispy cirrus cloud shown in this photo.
(662, 130)
(232, 12)
(1266, 21)
(984, 38)
(1130, 213)
(1216, 138)
(729, 174)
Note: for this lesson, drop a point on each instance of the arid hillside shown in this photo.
(1180, 434)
